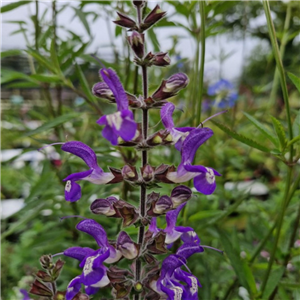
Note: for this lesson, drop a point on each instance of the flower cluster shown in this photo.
(166, 280)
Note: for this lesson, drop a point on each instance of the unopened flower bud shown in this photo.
(180, 194)
(104, 206)
(129, 173)
(147, 173)
(170, 87)
(128, 248)
(102, 90)
(46, 262)
(125, 21)
(139, 3)
(161, 59)
(163, 204)
(136, 42)
(175, 83)
(153, 17)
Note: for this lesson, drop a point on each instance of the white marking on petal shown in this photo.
(103, 282)
(173, 176)
(115, 120)
(172, 237)
(68, 186)
(177, 135)
(194, 287)
(177, 292)
(88, 266)
(210, 176)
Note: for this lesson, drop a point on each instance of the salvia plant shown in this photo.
(149, 276)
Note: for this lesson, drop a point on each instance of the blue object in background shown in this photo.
(224, 93)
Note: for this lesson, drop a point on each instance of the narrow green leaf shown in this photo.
(263, 130)
(42, 60)
(280, 132)
(204, 214)
(54, 58)
(49, 78)
(273, 282)
(241, 138)
(53, 123)
(84, 84)
(11, 75)
(82, 16)
(12, 6)
(293, 141)
(295, 80)
(240, 267)
(12, 52)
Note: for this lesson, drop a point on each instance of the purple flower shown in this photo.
(25, 294)
(224, 93)
(178, 134)
(204, 178)
(119, 124)
(95, 174)
(174, 282)
(173, 232)
(94, 274)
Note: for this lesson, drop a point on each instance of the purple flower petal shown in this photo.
(110, 134)
(79, 175)
(72, 191)
(113, 82)
(153, 227)
(78, 253)
(83, 151)
(193, 141)
(186, 250)
(171, 217)
(205, 183)
(93, 270)
(94, 229)
(25, 294)
(166, 115)
(73, 288)
(128, 127)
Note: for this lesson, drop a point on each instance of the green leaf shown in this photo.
(53, 123)
(273, 282)
(82, 16)
(12, 6)
(280, 132)
(42, 60)
(263, 130)
(293, 141)
(153, 39)
(240, 267)
(204, 214)
(11, 75)
(295, 80)
(54, 58)
(12, 52)
(49, 78)
(241, 138)
(84, 84)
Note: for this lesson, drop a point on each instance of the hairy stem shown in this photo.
(143, 190)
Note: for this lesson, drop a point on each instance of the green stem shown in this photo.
(279, 64)
(276, 80)
(285, 201)
(202, 34)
